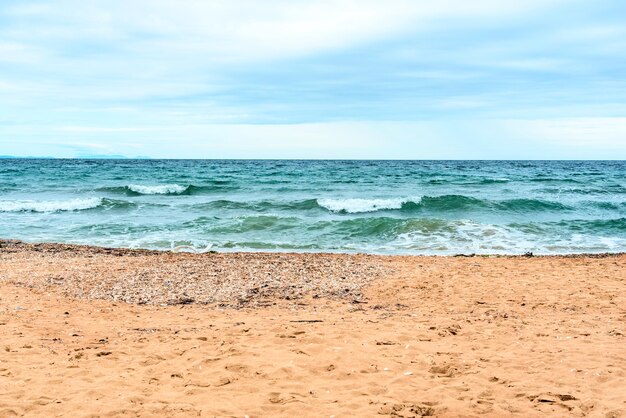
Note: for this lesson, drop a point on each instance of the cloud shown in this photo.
(244, 29)
(176, 72)
(599, 133)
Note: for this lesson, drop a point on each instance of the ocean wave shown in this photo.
(243, 224)
(595, 227)
(498, 180)
(6, 186)
(361, 205)
(530, 205)
(70, 205)
(368, 227)
(607, 205)
(546, 179)
(414, 236)
(169, 189)
(598, 225)
(381, 227)
(158, 189)
(465, 181)
(138, 190)
(438, 204)
(461, 202)
(271, 246)
(611, 189)
(259, 206)
(50, 205)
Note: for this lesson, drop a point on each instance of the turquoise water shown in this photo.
(393, 207)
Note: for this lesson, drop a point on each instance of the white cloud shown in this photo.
(166, 73)
(580, 132)
(252, 30)
(104, 129)
(16, 52)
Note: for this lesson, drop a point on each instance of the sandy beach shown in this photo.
(92, 332)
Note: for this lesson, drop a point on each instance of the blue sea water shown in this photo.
(390, 207)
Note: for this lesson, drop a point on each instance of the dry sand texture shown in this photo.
(309, 335)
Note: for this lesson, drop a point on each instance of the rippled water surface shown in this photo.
(399, 207)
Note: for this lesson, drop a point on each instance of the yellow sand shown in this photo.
(438, 336)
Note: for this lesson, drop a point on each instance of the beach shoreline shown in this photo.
(313, 334)
(186, 249)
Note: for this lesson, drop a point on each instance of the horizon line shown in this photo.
(11, 157)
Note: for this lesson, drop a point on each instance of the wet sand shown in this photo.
(96, 332)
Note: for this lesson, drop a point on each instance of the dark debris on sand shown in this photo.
(167, 278)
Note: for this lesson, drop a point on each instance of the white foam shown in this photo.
(160, 189)
(361, 205)
(467, 236)
(49, 205)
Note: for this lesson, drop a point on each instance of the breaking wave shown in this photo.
(168, 189)
(360, 205)
(160, 189)
(70, 205)
(437, 203)
(50, 205)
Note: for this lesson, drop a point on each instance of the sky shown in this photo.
(393, 79)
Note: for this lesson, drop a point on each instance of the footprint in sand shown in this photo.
(445, 370)
(276, 398)
(406, 410)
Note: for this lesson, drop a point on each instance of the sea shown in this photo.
(381, 207)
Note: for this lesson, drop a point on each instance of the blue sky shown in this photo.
(325, 79)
